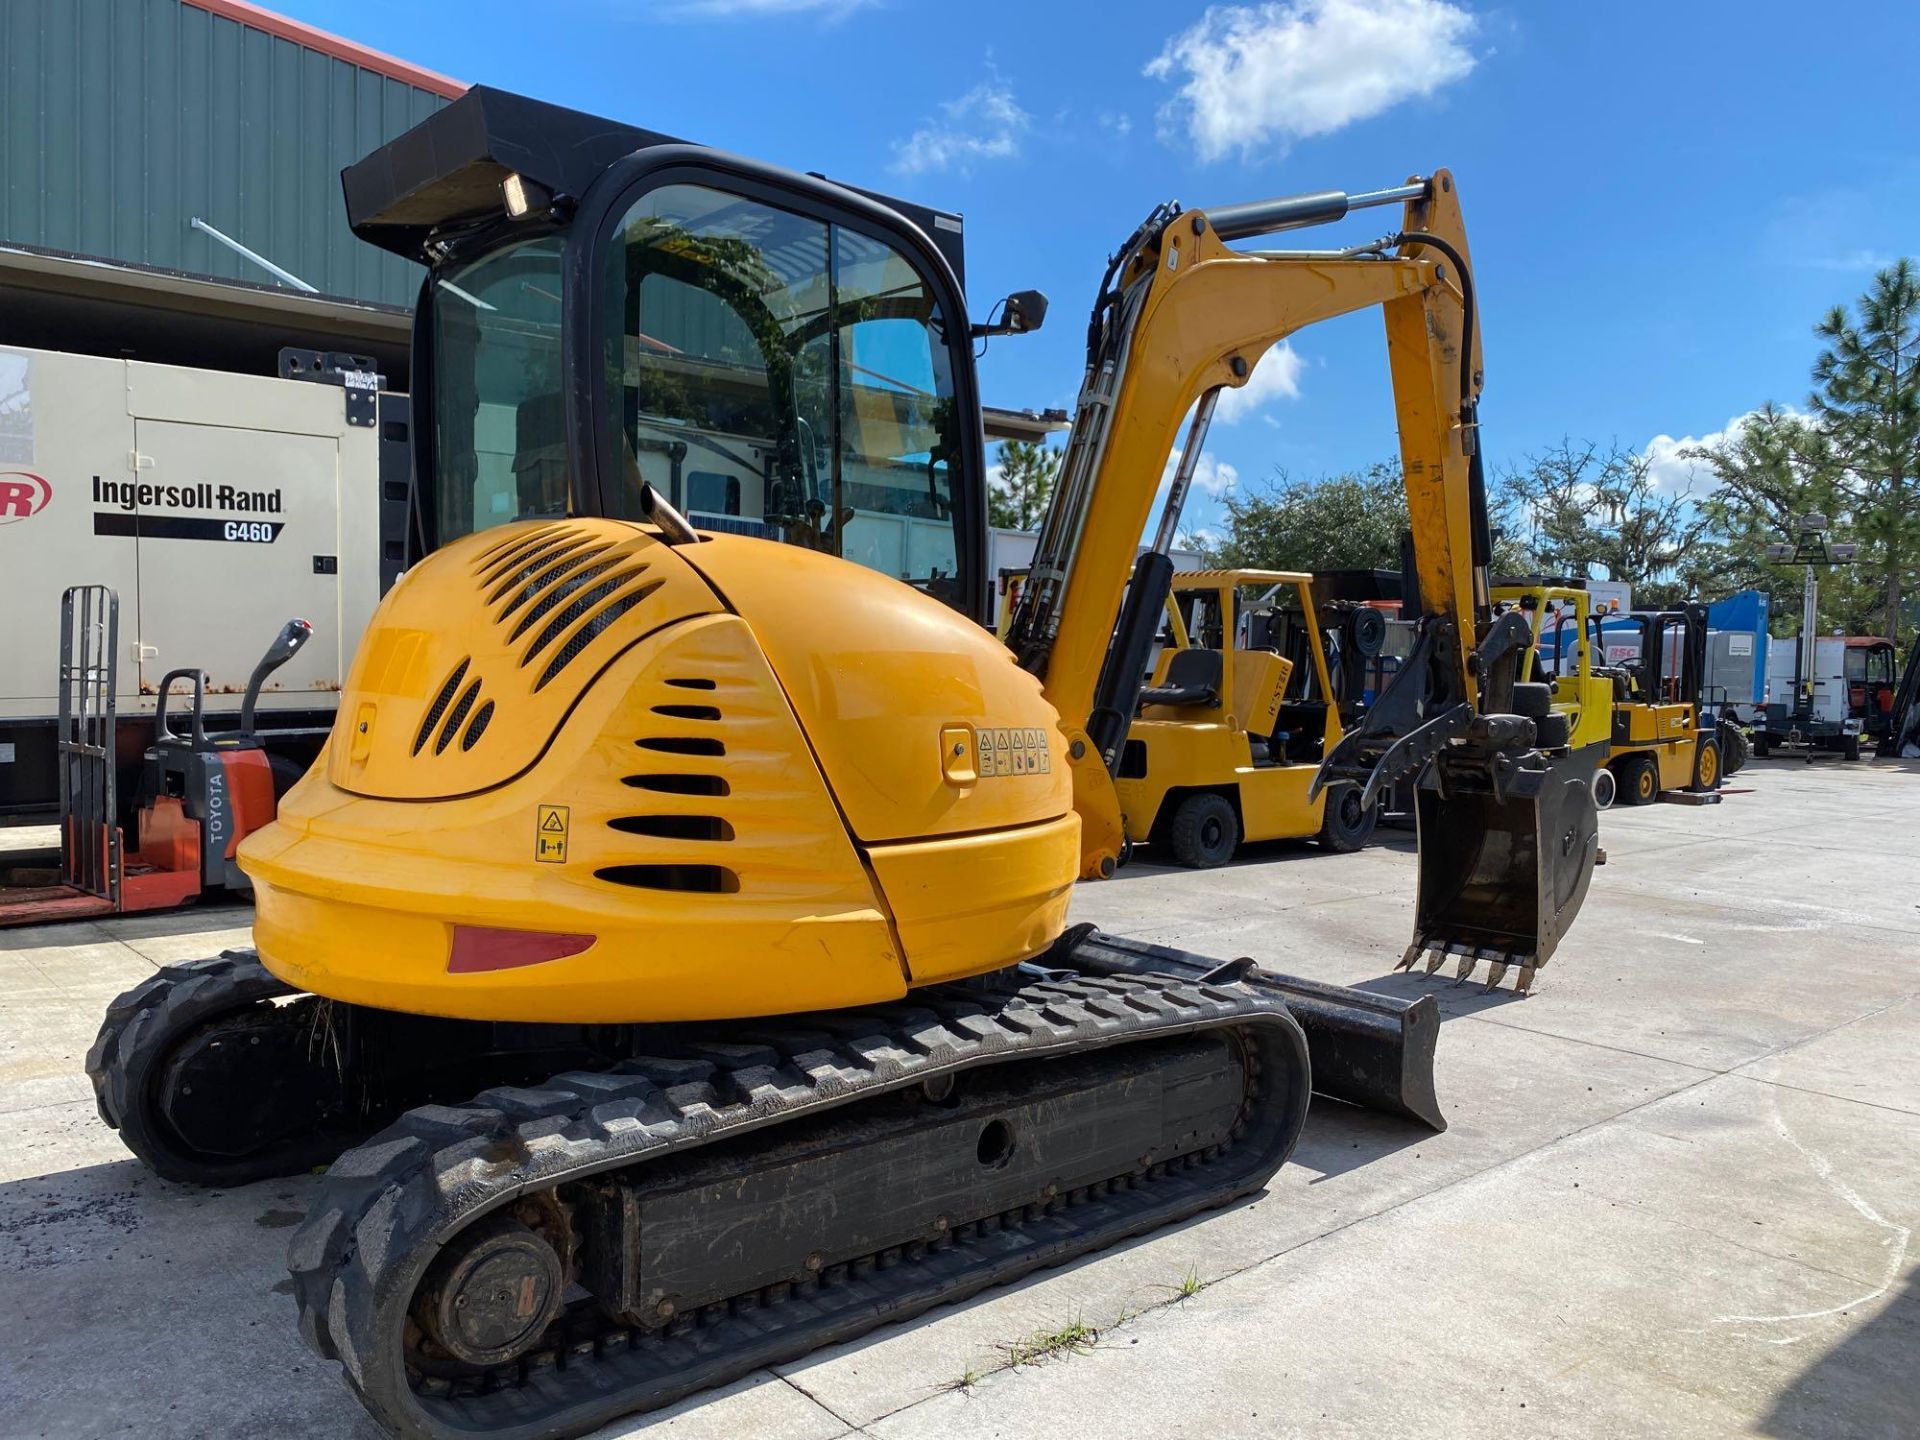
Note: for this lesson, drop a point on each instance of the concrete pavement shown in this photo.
(1677, 1195)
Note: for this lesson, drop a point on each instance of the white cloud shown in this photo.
(1257, 78)
(1275, 377)
(986, 123)
(1118, 124)
(757, 9)
(1674, 473)
(1212, 477)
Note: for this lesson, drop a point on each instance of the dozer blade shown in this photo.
(1375, 1051)
(1504, 868)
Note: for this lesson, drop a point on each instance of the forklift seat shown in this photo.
(1193, 678)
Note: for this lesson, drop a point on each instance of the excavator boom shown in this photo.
(1507, 827)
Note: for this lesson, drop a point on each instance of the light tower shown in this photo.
(1812, 550)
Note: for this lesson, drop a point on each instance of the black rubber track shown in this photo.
(387, 1206)
(142, 1030)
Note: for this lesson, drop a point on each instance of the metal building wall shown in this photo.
(123, 119)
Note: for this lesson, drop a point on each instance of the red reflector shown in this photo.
(476, 948)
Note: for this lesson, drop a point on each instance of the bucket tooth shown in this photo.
(1465, 968)
(1523, 982)
(1406, 960)
(1435, 958)
(1496, 973)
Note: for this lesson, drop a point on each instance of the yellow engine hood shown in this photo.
(474, 660)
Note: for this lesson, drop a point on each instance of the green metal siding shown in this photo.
(126, 118)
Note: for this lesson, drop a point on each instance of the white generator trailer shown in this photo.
(167, 437)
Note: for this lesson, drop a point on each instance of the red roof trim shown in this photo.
(256, 17)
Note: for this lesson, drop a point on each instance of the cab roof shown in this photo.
(449, 167)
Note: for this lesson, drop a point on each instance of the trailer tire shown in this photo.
(1762, 747)
(1205, 831)
(1850, 748)
(1707, 770)
(1347, 825)
(1639, 778)
(1734, 749)
(1604, 788)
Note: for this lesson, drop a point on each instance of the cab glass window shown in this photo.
(774, 375)
(499, 441)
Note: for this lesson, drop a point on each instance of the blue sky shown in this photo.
(1662, 198)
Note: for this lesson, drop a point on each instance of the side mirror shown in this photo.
(1021, 313)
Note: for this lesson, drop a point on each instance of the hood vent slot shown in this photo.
(536, 578)
(699, 879)
(678, 784)
(682, 745)
(478, 727)
(458, 717)
(688, 712)
(589, 632)
(674, 827)
(439, 706)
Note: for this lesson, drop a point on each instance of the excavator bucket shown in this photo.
(1504, 867)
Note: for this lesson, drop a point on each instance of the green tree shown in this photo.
(1350, 521)
(1867, 399)
(1339, 522)
(1766, 474)
(1585, 506)
(1018, 496)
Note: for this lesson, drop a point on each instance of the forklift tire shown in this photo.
(1347, 825)
(1639, 777)
(1205, 832)
(1604, 787)
(1762, 748)
(1734, 748)
(1850, 748)
(1706, 766)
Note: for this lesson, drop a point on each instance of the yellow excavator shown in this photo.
(668, 956)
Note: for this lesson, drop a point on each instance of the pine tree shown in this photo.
(1767, 474)
(1867, 398)
(1018, 496)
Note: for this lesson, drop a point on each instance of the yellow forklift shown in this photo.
(1662, 738)
(1561, 617)
(1240, 713)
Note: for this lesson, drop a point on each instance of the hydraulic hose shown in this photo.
(1469, 408)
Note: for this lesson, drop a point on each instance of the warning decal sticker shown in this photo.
(550, 835)
(1019, 751)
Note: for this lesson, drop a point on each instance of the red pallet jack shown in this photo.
(200, 794)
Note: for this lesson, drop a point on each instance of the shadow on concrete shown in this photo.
(1340, 1138)
(1146, 861)
(1865, 1385)
(97, 929)
(1455, 997)
(133, 1299)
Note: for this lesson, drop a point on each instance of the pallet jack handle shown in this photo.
(285, 646)
(163, 727)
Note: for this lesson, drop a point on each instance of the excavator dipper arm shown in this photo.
(1183, 315)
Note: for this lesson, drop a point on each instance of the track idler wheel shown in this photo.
(492, 1293)
(211, 1082)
